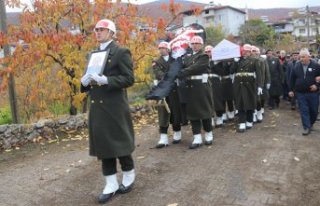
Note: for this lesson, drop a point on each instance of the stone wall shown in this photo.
(19, 134)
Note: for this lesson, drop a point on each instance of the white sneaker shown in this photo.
(112, 184)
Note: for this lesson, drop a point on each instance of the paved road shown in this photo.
(272, 164)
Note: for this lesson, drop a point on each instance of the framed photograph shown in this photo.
(97, 62)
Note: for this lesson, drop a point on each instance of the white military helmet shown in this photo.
(106, 23)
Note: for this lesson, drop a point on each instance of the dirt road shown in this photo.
(271, 164)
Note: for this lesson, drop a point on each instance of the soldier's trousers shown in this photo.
(164, 130)
(245, 116)
(260, 104)
(196, 126)
(109, 166)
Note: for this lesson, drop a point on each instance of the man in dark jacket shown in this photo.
(111, 134)
(277, 77)
(199, 94)
(291, 64)
(303, 85)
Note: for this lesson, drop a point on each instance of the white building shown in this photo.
(229, 17)
(300, 24)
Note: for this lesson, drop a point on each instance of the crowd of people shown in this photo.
(207, 93)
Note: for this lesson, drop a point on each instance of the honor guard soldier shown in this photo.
(247, 79)
(199, 94)
(160, 67)
(265, 78)
(111, 134)
(215, 69)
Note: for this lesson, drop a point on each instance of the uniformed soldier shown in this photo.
(277, 77)
(265, 78)
(215, 69)
(160, 67)
(247, 79)
(227, 85)
(199, 94)
(111, 134)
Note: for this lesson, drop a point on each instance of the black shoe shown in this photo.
(293, 108)
(271, 108)
(176, 141)
(208, 142)
(104, 198)
(219, 125)
(306, 131)
(159, 146)
(123, 189)
(194, 146)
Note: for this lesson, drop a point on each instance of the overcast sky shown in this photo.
(256, 4)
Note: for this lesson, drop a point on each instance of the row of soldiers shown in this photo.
(205, 88)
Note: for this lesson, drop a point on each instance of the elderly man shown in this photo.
(303, 85)
(111, 134)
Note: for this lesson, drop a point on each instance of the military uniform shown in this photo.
(110, 125)
(227, 87)
(199, 94)
(216, 71)
(247, 78)
(160, 68)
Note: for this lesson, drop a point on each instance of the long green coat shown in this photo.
(110, 125)
(199, 95)
(265, 78)
(217, 69)
(244, 87)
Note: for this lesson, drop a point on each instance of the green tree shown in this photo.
(214, 34)
(256, 32)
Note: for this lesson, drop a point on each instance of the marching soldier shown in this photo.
(265, 78)
(160, 68)
(215, 69)
(199, 94)
(227, 91)
(111, 134)
(247, 78)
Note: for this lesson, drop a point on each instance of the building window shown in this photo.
(206, 11)
(302, 31)
(220, 17)
(302, 21)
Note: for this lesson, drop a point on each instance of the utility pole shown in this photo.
(308, 25)
(6, 50)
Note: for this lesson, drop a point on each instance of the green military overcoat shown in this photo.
(276, 76)
(217, 70)
(111, 132)
(199, 95)
(244, 87)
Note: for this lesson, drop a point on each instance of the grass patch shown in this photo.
(5, 115)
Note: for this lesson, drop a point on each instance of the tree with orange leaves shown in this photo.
(56, 38)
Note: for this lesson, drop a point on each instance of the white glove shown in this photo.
(268, 86)
(232, 77)
(86, 79)
(259, 90)
(101, 80)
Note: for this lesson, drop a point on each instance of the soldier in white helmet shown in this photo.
(111, 134)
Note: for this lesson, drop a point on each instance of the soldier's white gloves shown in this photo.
(259, 91)
(268, 86)
(86, 79)
(101, 80)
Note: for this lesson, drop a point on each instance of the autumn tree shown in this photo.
(56, 38)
